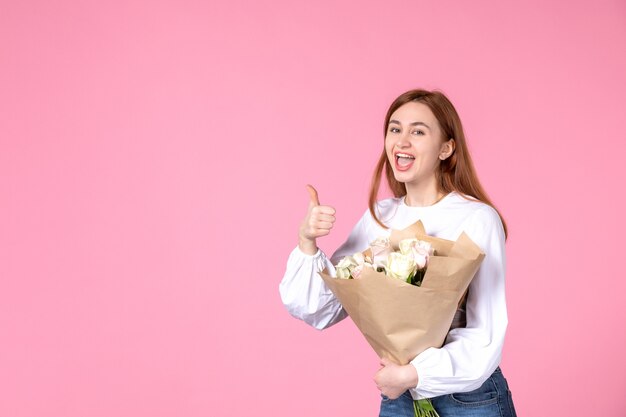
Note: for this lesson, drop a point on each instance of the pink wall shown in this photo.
(153, 157)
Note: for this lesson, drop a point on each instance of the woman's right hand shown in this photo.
(317, 223)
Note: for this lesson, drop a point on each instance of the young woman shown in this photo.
(429, 170)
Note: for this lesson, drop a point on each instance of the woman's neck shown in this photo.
(422, 195)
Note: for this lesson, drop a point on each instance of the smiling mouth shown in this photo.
(404, 160)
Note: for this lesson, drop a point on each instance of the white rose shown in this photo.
(346, 262)
(400, 266)
(343, 273)
(426, 246)
(345, 266)
(420, 257)
(406, 245)
(418, 249)
(359, 258)
(381, 248)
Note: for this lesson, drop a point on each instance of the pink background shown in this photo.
(153, 157)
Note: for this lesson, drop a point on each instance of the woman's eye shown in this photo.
(394, 129)
(418, 132)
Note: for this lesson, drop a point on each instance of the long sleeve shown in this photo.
(302, 290)
(469, 355)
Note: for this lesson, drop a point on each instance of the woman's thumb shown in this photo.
(313, 195)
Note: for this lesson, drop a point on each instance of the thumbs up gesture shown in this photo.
(317, 223)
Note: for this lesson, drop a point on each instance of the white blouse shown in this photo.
(469, 354)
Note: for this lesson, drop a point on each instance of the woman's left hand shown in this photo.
(392, 380)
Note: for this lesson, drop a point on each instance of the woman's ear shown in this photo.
(447, 148)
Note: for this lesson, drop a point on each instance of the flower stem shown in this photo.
(424, 408)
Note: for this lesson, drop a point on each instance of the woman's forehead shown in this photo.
(414, 112)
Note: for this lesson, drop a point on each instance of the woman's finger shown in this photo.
(313, 197)
(322, 225)
(324, 209)
(325, 218)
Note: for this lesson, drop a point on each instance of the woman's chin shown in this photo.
(402, 177)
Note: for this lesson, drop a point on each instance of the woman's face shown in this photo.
(414, 143)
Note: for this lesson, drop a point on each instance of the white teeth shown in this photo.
(404, 155)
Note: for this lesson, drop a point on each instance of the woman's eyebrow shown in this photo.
(411, 124)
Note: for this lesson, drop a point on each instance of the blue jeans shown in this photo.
(492, 399)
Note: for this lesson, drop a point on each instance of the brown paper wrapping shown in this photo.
(400, 320)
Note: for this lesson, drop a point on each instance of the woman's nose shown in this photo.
(403, 141)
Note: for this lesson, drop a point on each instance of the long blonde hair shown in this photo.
(456, 173)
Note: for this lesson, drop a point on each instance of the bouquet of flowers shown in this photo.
(403, 292)
(407, 264)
